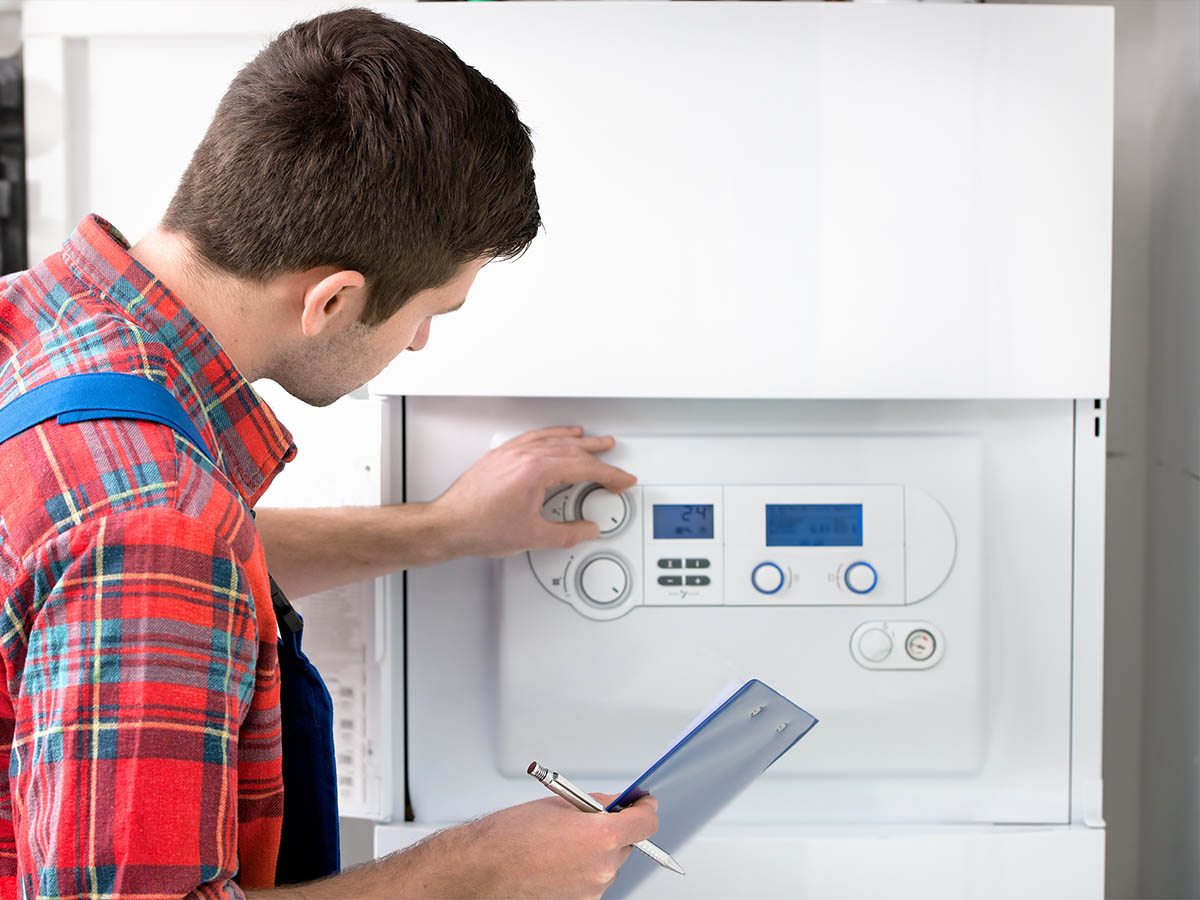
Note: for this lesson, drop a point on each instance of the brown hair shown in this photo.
(355, 141)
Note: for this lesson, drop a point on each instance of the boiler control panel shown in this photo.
(747, 545)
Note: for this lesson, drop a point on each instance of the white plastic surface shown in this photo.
(342, 460)
(900, 200)
(799, 632)
(981, 736)
(927, 565)
(870, 862)
(1087, 719)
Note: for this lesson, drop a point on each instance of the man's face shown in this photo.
(356, 353)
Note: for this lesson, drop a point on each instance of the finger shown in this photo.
(649, 800)
(604, 799)
(587, 468)
(637, 823)
(538, 434)
(556, 535)
(562, 444)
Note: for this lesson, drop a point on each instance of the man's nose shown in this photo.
(421, 338)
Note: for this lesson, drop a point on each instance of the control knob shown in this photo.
(608, 510)
(875, 644)
(603, 581)
(767, 578)
(861, 577)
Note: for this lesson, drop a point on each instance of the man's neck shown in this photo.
(229, 308)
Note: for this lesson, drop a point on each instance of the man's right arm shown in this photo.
(545, 848)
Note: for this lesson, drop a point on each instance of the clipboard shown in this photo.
(710, 765)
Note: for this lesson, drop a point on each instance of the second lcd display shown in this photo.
(814, 525)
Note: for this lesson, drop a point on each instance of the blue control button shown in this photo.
(861, 577)
(767, 578)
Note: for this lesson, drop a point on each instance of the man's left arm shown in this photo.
(494, 509)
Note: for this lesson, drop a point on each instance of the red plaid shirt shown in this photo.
(139, 706)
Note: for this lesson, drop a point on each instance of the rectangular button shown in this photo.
(697, 563)
(670, 563)
(697, 580)
(670, 580)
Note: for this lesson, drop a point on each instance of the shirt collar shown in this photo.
(251, 444)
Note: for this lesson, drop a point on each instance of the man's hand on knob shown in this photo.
(495, 507)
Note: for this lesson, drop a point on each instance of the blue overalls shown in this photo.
(309, 844)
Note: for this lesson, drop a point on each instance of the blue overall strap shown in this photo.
(309, 841)
(99, 395)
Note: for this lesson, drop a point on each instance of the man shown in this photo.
(355, 178)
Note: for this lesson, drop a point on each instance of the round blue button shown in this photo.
(861, 577)
(767, 578)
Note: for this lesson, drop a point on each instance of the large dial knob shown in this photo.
(608, 510)
(603, 581)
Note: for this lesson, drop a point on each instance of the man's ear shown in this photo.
(335, 298)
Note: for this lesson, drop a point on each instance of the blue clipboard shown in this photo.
(708, 767)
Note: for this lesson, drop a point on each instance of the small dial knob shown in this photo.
(767, 578)
(920, 645)
(608, 510)
(603, 581)
(861, 577)
(875, 645)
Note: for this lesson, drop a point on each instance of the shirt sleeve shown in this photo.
(138, 671)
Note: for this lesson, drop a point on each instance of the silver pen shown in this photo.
(587, 803)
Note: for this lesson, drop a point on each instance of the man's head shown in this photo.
(362, 163)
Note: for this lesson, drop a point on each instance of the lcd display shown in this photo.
(814, 525)
(675, 521)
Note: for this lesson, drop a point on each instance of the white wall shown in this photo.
(1170, 817)
(1127, 443)
(1152, 676)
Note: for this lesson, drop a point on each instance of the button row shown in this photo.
(679, 563)
(677, 580)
